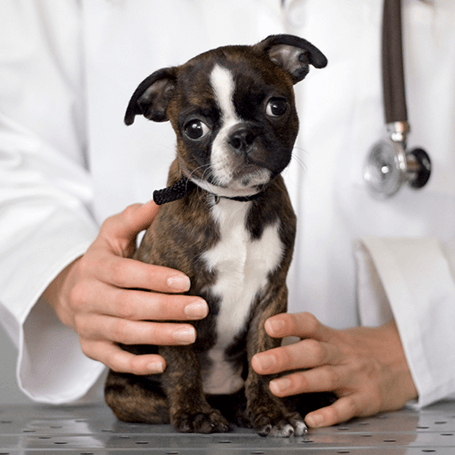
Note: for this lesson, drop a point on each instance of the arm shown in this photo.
(50, 241)
(45, 188)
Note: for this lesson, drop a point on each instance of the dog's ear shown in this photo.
(152, 96)
(293, 54)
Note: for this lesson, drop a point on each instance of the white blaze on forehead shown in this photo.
(223, 86)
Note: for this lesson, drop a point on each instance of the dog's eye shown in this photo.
(196, 129)
(276, 107)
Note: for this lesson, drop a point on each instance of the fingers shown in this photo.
(303, 325)
(130, 273)
(305, 354)
(319, 358)
(343, 409)
(97, 334)
(365, 367)
(121, 361)
(104, 299)
(141, 305)
(105, 328)
(108, 298)
(360, 404)
(320, 379)
(324, 379)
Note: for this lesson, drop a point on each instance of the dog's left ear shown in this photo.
(293, 54)
(152, 96)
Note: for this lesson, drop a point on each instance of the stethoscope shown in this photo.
(389, 165)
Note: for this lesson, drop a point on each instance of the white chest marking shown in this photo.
(242, 266)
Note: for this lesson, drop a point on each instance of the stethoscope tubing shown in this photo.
(393, 85)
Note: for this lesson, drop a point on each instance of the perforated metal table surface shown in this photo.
(90, 430)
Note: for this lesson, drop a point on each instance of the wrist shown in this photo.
(389, 349)
(57, 294)
(398, 363)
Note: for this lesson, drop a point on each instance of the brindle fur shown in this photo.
(187, 234)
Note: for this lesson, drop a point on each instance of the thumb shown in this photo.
(124, 227)
(138, 217)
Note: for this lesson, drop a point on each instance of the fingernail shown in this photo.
(197, 310)
(155, 367)
(179, 283)
(315, 420)
(185, 336)
(275, 325)
(265, 361)
(279, 385)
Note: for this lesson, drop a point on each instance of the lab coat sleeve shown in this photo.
(412, 281)
(45, 190)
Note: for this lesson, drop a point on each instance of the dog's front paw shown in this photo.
(210, 421)
(280, 426)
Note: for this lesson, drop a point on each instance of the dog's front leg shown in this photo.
(182, 384)
(266, 412)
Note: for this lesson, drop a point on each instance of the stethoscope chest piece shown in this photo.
(385, 168)
(389, 166)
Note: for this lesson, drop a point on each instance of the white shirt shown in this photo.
(68, 69)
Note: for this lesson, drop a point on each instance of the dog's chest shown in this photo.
(242, 266)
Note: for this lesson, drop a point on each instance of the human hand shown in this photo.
(104, 297)
(365, 367)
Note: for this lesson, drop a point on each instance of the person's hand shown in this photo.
(104, 296)
(365, 367)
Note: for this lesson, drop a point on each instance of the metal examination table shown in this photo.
(92, 430)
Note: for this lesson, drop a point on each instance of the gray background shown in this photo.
(9, 391)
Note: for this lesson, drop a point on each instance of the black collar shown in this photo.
(179, 189)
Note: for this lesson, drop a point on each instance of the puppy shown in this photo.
(227, 222)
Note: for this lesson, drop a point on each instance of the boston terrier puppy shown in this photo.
(226, 221)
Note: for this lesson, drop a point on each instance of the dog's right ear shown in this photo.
(152, 96)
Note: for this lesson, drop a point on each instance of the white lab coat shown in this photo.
(67, 70)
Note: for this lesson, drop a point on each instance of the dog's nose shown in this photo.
(242, 140)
